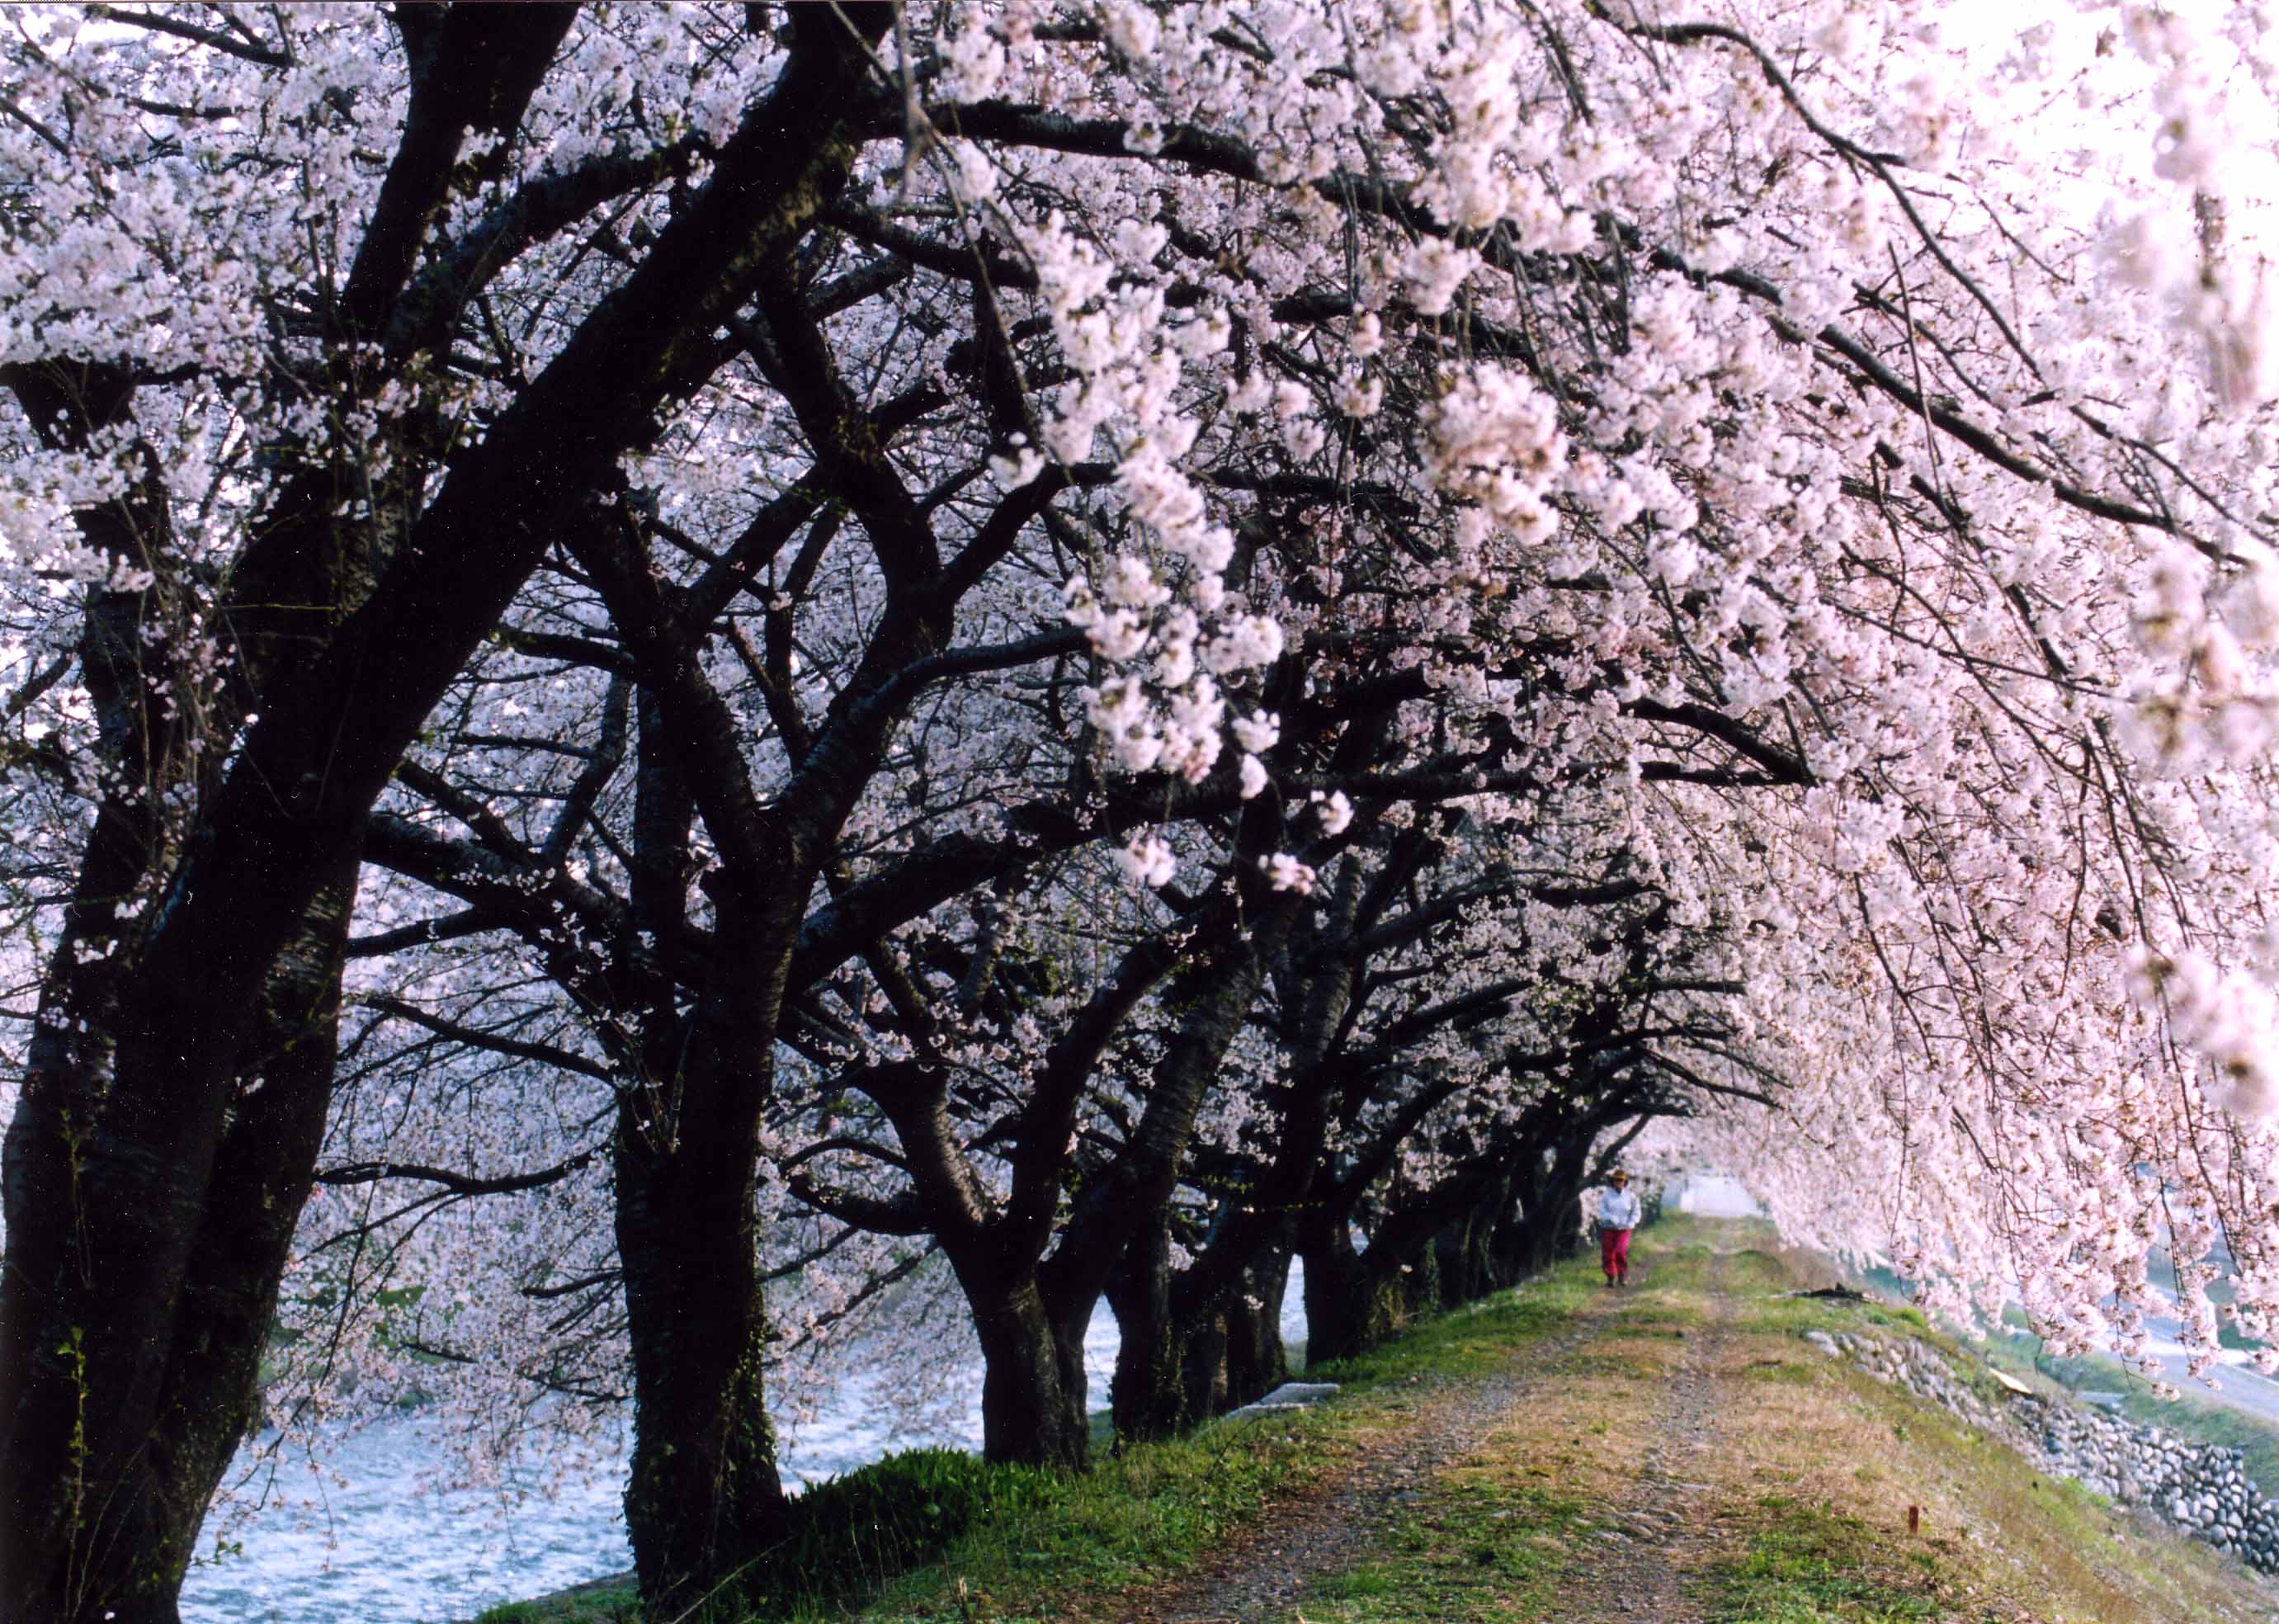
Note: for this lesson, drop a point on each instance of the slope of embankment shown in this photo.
(1679, 1452)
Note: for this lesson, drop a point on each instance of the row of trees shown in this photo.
(693, 683)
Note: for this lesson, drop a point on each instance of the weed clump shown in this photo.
(851, 1534)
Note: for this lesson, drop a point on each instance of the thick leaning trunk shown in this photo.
(112, 1155)
(110, 1481)
(1032, 1383)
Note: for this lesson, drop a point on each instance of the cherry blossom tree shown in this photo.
(1099, 642)
(288, 520)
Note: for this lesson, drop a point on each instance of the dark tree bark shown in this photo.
(1198, 1361)
(1348, 1308)
(1188, 1350)
(127, 1271)
(1461, 1260)
(1030, 1309)
(1256, 1361)
(1133, 1192)
(1033, 1408)
(261, 1178)
(1147, 1396)
(702, 1495)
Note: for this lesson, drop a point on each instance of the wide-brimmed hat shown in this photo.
(1619, 1172)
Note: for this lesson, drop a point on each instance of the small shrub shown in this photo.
(851, 1534)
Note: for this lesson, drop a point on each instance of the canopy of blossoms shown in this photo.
(951, 660)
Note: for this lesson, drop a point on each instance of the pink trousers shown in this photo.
(1615, 1253)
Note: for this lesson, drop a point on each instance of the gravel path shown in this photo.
(1261, 1578)
(1640, 1574)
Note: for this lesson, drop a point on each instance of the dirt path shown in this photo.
(1640, 1575)
(1675, 1452)
(1261, 1578)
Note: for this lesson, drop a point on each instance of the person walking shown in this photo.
(1617, 1214)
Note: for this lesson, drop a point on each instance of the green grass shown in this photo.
(608, 1602)
(1796, 1372)
(1827, 1451)
(1460, 1552)
(1156, 1509)
(1796, 1315)
(1806, 1565)
(1474, 1340)
(1149, 1511)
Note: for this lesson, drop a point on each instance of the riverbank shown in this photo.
(1677, 1451)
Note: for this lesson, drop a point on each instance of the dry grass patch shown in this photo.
(1822, 1462)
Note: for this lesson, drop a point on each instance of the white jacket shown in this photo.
(1618, 1209)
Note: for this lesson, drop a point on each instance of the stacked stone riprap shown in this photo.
(2201, 1489)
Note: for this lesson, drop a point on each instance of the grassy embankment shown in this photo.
(1785, 1504)
(1792, 1508)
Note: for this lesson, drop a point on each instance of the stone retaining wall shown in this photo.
(2201, 1489)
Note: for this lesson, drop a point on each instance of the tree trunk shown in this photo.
(703, 1496)
(134, 1116)
(110, 1483)
(1465, 1251)
(1184, 1357)
(1446, 1250)
(1557, 1216)
(1033, 1384)
(1349, 1308)
(1147, 1397)
(1512, 1245)
(1257, 1362)
(1419, 1284)
(1527, 1243)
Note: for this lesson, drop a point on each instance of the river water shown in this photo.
(383, 1545)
